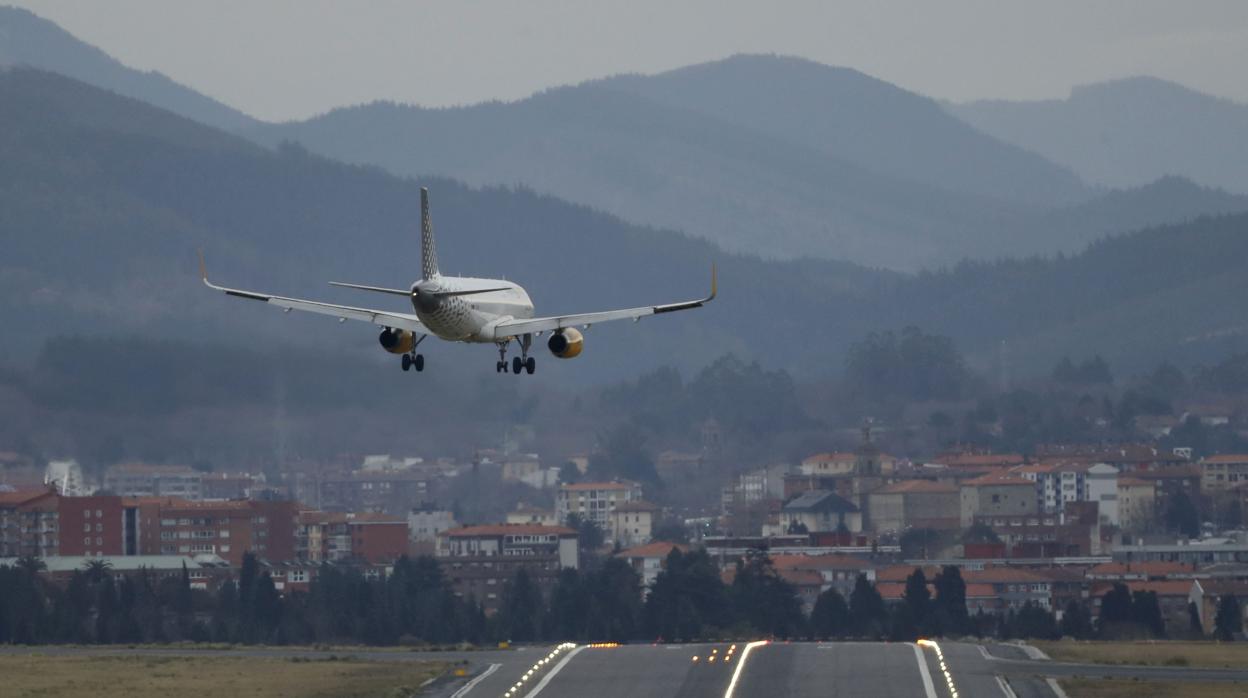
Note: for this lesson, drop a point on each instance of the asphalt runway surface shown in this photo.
(771, 670)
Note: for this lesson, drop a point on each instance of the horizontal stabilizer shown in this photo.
(374, 289)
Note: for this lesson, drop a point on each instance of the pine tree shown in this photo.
(1228, 620)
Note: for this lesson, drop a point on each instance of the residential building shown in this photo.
(1207, 593)
(820, 510)
(532, 515)
(98, 526)
(997, 494)
(1136, 503)
(424, 523)
(1197, 552)
(229, 485)
(915, 504)
(148, 480)
(1222, 472)
(594, 501)
(172, 526)
(650, 559)
(836, 571)
(377, 538)
(392, 492)
(29, 523)
(480, 560)
(631, 523)
(1173, 596)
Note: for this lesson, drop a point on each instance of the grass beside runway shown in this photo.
(1129, 688)
(209, 677)
(1208, 655)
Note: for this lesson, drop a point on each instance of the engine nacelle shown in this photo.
(566, 343)
(397, 341)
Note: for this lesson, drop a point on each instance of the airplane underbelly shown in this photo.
(454, 321)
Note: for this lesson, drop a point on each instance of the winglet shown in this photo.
(714, 285)
(203, 268)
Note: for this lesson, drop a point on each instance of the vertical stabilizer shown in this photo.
(428, 251)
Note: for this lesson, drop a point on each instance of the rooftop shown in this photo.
(998, 480)
(917, 486)
(524, 529)
(587, 486)
(655, 549)
(820, 500)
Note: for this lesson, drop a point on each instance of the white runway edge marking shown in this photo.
(557, 668)
(1005, 688)
(984, 651)
(928, 687)
(476, 680)
(944, 669)
(736, 673)
(1056, 688)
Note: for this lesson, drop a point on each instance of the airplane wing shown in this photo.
(384, 318)
(544, 324)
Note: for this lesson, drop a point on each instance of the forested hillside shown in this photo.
(29, 40)
(105, 199)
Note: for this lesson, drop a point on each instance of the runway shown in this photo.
(706, 670)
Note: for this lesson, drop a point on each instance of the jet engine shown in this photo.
(566, 343)
(397, 341)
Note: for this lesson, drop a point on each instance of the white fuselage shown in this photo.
(471, 318)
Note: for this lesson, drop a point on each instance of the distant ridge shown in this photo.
(1127, 132)
(27, 39)
(102, 205)
(861, 119)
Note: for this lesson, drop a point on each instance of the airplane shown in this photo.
(462, 309)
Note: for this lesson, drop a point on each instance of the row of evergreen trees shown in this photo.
(416, 605)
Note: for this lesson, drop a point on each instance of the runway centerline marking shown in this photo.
(736, 674)
(928, 687)
(476, 680)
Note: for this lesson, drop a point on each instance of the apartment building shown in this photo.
(29, 523)
(480, 560)
(594, 501)
(1222, 472)
(227, 529)
(148, 480)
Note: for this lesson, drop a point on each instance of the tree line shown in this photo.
(415, 605)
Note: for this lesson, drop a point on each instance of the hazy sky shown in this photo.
(281, 59)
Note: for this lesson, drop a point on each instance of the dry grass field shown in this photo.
(1126, 688)
(1217, 655)
(208, 677)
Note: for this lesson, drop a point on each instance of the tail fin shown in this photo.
(428, 252)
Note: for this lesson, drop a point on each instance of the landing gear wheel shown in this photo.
(419, 362)
(517, 365)
(500, 366)
(529, 366)
(407, 362)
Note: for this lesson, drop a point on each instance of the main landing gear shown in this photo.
(524, 362)
(416, 361)
(412, 359)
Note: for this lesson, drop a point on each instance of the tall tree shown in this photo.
(866, 608)
(830, 616)
(1228, 620)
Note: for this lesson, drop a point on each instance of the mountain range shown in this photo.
(1125, 133)
(763, 155)
(103, 200)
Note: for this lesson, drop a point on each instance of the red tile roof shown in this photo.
(509, 530)
(917, 487)
(1178, 587)
(998, 480)
(655, 549)
(586, 486)
(1149, 569)
(819, 562)
(1227, 458)
(22, 496)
